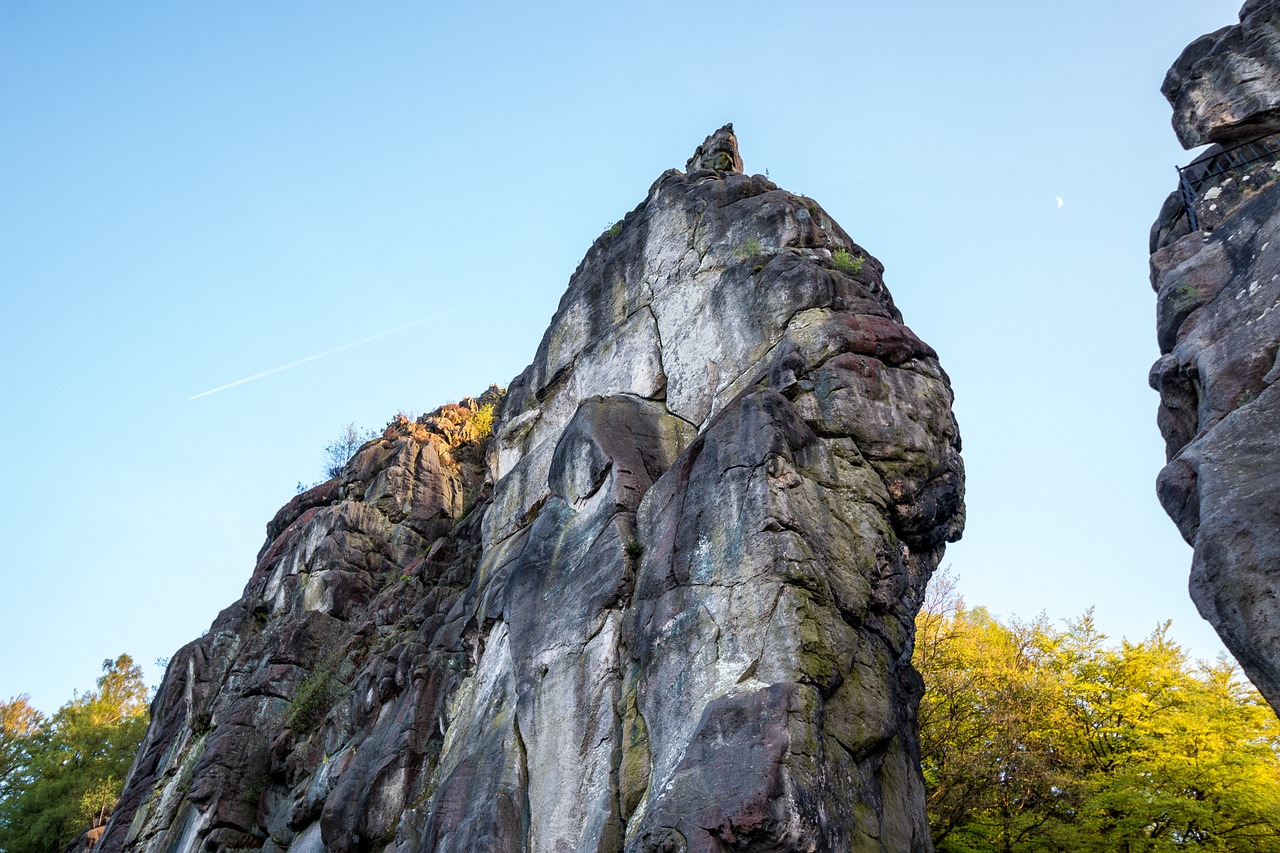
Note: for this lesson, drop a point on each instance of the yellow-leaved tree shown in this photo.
(1036, 738)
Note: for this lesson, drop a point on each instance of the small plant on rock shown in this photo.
(312, 700)
(749, 249)
(847, 263)
(1185, 296)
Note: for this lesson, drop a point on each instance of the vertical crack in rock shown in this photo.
(670, 609)
(1218, 330)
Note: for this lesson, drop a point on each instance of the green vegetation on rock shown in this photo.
(749, 249)
(313, 699)
(1185, 296)
(846, 262)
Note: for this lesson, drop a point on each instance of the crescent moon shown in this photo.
(1059, 198)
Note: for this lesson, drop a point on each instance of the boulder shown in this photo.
(1225, 87)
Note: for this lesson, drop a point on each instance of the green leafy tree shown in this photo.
(1036, 739)
(1176, 756)
(74, 764)
(19, 722)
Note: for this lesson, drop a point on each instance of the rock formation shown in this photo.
(1225, 87)
(672, 611)
(1219, 332)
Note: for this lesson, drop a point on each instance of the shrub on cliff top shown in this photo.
(483, 421)
(339, 451)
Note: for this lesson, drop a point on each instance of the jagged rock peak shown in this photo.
(1225, 86)
(671, 608)
(719, 151)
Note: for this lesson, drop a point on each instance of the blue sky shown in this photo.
(196, 193)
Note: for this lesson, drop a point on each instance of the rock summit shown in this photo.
(667, 606)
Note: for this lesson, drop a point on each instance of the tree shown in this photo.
(19, 723)
(1035, 739)
(75, 763)
(1178, 756)
(339, 451)
(991, 732)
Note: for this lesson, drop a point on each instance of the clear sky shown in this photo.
(192, 194)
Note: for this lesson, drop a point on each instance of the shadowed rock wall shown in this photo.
(675, 613)
(1219, 332)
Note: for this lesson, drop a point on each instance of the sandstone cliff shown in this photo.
(672, 611)
(1218, 331)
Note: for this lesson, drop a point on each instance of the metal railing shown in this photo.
(1233, 162)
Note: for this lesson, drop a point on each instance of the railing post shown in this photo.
(1188, 199)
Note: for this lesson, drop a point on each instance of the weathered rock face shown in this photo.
(311, 699)
(681, 620)
(1219, 333)
(1226, 85)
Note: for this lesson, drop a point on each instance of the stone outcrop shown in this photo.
(1218, 330)
(1225, 86)
(672, 612)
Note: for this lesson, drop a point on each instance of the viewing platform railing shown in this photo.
(1234, 162)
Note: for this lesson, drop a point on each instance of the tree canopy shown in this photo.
(19, 723)
(61, 775)
(1036, 738)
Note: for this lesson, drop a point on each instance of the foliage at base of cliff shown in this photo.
(62, 775)
(1037, 738)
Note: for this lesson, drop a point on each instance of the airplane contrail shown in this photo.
(319, 355)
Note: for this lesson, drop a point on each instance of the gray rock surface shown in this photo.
(673, 612)
(1225, 86)
(1219, 332)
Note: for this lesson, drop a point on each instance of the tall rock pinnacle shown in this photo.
(1215, 266)
(719, 152)
(674, 611)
